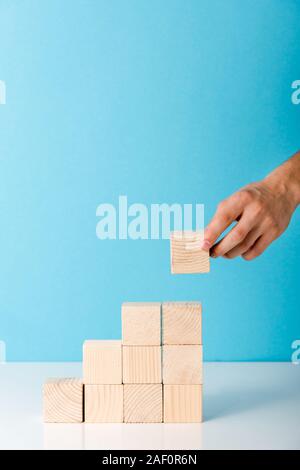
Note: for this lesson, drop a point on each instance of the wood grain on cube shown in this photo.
(63, 400)
(182, 403)
(143, 403)
(182, 322)
(103, 403)
(142, 364)
(102, 362)
(187, 257)
(182, 364)
(141, 323)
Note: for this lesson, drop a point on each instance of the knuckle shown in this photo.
(229, 255)
(258, 209)
(217, 251)
(248, 257)
(276, 226)
(222, 205)
(239, 234)
(277, 232)
(275, 229)
(257, 251)
(225, 217)
(269, 220)
(244, 247)
(245, 195)
(273, 223)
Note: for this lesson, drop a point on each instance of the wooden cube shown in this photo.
(142, 364)
(141, 323)
(186, 253)
(182, 403)
(182, 364)
(63, 400)
(103, 403)
(102, 362)
(182, 323)
(143, 403)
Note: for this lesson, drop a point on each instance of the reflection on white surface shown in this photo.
(102, 436)
(183, 436)
(135, 436)
(142, 436)
(63, 436)
(122, 436)
(246, 406)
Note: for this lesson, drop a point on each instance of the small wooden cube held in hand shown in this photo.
(187, 256)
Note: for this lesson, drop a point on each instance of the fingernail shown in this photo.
(205, 245)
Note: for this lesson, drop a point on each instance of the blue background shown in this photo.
(163, 101)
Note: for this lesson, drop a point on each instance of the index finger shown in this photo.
(227, 212)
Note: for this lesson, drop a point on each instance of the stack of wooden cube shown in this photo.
(153, 375)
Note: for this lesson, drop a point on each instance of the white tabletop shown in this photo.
(246, 406)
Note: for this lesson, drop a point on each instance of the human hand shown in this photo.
(262, 211)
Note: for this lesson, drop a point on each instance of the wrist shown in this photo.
(285, 180)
